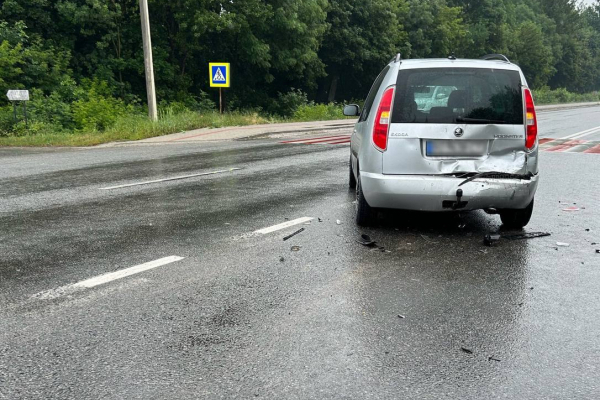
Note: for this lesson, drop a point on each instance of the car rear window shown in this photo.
(452, 95)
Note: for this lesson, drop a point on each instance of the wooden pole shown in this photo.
(148, 64)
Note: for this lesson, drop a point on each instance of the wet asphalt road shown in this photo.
(243, 316)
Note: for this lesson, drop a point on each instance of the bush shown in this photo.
(96, 109)
(288, 103)
(562, 95)
(50, 109)
(319, 112)
(7, 121)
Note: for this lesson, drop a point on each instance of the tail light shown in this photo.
(530, 120)
(382, 119)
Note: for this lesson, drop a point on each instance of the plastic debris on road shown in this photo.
(572, 208)
(338, 222)
(465, 350)
(528, 235)
(428, 239)
(295, 248)
(293, 234)
(562, 244)
(490, 240)
(366, 241)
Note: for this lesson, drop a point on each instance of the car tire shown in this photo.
(351, 178)
(365, 214)
(516, 218)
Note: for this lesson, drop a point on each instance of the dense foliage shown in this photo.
(83, 60)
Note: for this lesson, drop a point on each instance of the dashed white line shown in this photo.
(170, 179)
(284, 225)
(105, 278)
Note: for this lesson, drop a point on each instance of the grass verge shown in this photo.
(136, 127)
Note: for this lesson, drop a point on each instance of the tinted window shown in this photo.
(372, 93)
(451, 95)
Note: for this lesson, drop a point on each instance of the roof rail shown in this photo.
(396, 59)
(500, 57)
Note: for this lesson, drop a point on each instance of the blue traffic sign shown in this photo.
(219, 74)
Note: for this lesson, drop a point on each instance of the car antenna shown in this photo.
(452, 56)
(398, 57)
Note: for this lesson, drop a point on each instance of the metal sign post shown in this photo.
(19, 95)
(219, 77)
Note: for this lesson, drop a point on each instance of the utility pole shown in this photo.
(148, 64)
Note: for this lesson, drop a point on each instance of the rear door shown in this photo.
(473, 122)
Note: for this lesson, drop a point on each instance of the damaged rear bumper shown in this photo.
(433, 193)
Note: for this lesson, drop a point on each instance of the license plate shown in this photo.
(456, 148)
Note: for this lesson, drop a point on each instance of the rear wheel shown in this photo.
(516, 218)
(351, 179)
(365, 214)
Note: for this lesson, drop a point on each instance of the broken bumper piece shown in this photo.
(433, 193)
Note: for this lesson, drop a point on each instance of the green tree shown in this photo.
(361, 38)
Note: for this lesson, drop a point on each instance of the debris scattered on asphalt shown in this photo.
(587, 229)
(295, 248)
(492, 358)
(466, 350)
(531, 288)
(293, 234)
(562, 244)
(520, 304)
(401, 316)
(428, 239)
(528, 235)
(366, 240)
(337, 221)
(597, 251)
(320, 220)
(462, 226)
(572, 208)
(490, 240)
(281, 259)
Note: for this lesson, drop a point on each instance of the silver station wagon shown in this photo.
(446, 135)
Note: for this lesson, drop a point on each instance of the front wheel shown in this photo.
(365, 214)
(517, 218)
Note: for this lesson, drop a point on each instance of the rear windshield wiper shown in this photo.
(478, 120)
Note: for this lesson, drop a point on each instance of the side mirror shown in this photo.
(351, 110)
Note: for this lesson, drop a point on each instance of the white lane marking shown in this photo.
(582, 133)
(284, 225)
(170, 179)
(105, 278)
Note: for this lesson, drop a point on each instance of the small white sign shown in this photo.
(18, 95)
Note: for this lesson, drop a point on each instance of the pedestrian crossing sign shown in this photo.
(219, 74)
